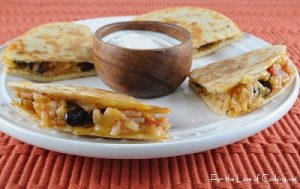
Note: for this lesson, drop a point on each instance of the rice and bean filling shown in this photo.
(247, 96)
(53, 68)
(76, 114)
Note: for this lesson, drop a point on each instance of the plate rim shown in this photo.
(268, 119)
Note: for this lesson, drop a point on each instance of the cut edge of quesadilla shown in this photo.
(93, 112)
(43, 78)
(48, 71)
(212, 47)
(39, 56)
(251, 92)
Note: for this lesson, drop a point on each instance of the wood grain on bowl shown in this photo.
(143, 73)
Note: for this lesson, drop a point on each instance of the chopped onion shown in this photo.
(116, 129)
(137, 119)
(131, 113)
(133, 126)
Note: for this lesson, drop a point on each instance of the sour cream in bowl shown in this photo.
(140, 39)
(143, 58)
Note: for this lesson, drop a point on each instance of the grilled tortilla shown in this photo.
(54, 51)
(90, 111)
(244, 83)
(210, 30)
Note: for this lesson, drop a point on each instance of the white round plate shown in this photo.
(195, 127)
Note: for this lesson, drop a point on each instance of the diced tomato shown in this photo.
(274, 70)
(286, 68)
(277, 70)
(151, 121)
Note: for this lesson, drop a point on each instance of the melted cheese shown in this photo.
(114, 123)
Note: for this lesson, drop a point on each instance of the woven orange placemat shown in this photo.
(274, 151)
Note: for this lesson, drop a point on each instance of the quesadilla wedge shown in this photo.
(244, 83)
(90, 111)
(210, 30)
(49, 52)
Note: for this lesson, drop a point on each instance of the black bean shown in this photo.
(102, 110)
(259, 90)
(21, 64)
(43, 67)
(72, 105)
(266, 84)
(30, 65)
(86, 66)
(89, 118)
(77, 116)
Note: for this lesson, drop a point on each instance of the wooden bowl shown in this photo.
(143, 72)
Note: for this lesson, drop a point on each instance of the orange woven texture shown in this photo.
(274, 151)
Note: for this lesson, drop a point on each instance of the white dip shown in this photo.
(140, 39)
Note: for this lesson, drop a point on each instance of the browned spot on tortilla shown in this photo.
(12, 46)
(37, 52)
(195, 30)
(19, 47)
(49, 40)
(75, 32)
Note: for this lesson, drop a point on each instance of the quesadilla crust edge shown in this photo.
(89, 95)
(199, 53)
(41, 78)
